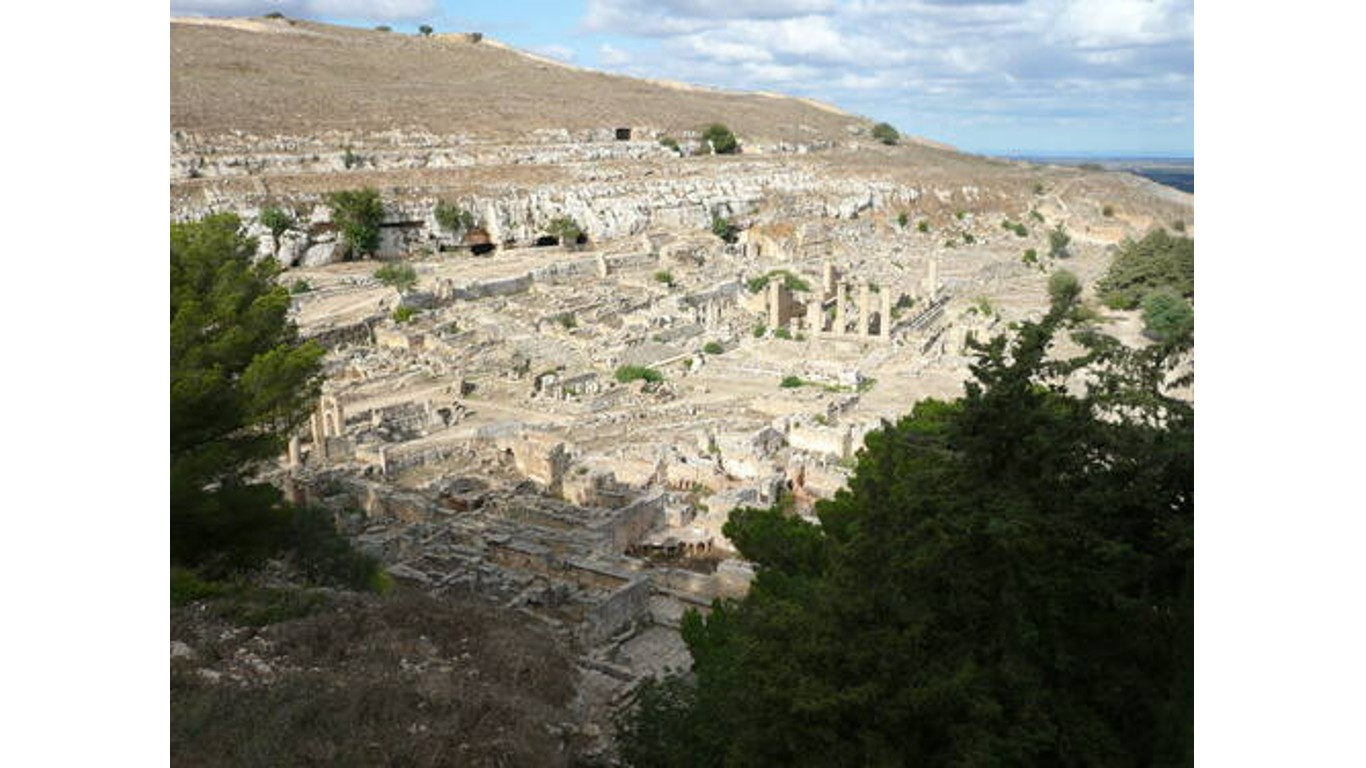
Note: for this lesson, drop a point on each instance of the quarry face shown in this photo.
(563, 428)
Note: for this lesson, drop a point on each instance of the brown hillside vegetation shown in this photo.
(291, 76)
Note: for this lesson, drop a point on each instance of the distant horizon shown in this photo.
(1188, 156)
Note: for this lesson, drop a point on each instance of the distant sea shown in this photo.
(1175, 172)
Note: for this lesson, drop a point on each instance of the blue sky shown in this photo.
(990, 76)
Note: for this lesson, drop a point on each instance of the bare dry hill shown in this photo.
(287, 76)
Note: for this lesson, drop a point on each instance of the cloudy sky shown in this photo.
(990, 76)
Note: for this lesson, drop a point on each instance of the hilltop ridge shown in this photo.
(294, 76)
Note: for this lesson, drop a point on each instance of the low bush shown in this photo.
(712, 348)
(886, 134)
(922, 226)
(723, 228)
(405, 314)
(721, 139)
(300, 286)
(664, 276)
(629, 373)
(792, 382)
(401, 277)
(452, 217)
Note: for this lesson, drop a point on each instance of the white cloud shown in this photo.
(612, 56)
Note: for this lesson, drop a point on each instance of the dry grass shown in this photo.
(404, 680)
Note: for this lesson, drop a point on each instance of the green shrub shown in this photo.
(1038, 188)
(1063, 287)
(760, 330)
(1035, 215)
(793, 282)
(564, 229)
(670, 142)
(664, 276)
(1167, 316)
(1179, 225)
(325, 556)
(276, 220)
(720, 138)
(399, 276)
(783, 333)
(1159, 260)
(902, 219)
(723, 228)
(1108, 211)
(959, 215)
(405, 314)
(275, 15)
(567, 321)
(452, 217)
(712, 348)
(383, 28)
(1058, 240)
(629, 373)
(358, 214)
(425, 30)
(350, 159)
(300, 286)
(187, 587)
(792, 382)
(886, 134)
(1030, 257)
(968, 238)
(922, 226)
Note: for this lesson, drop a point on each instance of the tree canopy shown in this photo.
(885, 133)
(358, 214)
(1007, 579)
(1159, 260)
(240, 383)
(721, 138)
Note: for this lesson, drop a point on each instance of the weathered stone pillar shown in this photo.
(932, 281)
(384, 461)
(827, 280)
(775, 304)
(315, 421)
(885, 321)
(602, 266)
(815, 316)
(865, 308)
(294, 452)
(841, 296)
(338, 418)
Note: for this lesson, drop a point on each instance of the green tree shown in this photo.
(1058, 242)
(565, 230)
(452, 217)
(1063, 287)
(358, 214)
(886, 134)
(721, 139)
(425, 29)
(1168, 317)
(1006, 580)
(277, 221)
(241, 382)
(724, 228)
(1159, 260)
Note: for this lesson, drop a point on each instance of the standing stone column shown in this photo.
(294, 452)
(841, 296)
(885, 322)
(319, 430)
(865, 308)
(775, 304)
(815, 315)
(339, 417)
(827, 280)
(932, 286)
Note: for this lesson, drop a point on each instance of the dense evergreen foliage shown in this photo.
(1159, 260)
(885, 133)
(722, 140)
(1007, 580)
(358, 214)
(1167, 316)
(241, 382)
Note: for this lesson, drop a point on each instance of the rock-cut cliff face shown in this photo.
(279, 113)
